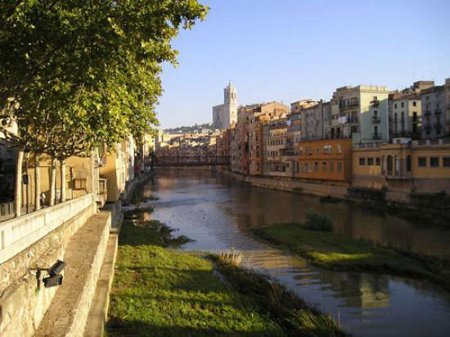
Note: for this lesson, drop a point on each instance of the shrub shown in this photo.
(318, 222)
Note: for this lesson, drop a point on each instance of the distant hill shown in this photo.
(196, 128)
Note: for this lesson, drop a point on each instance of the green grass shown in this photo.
(336, 251)
(281, 305)
(158, 291)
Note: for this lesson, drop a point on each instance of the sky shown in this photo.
(287, 50)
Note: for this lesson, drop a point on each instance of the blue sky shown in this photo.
(286, 50)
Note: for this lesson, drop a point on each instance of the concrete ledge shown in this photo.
(84, 255)
(20, 233)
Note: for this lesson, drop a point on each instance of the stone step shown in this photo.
(69, 309)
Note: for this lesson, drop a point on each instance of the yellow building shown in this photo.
(411, 167)
(117, 168)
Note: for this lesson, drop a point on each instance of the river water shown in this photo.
(217, 213)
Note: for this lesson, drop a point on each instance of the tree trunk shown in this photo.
(62, 164)
(52, 182)
(18, 189)
(37, 184)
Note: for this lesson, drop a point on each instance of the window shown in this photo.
(339, 166)
(414, 103)
(403, 104)
(332, 166)
(324, 167)
(395, 105)
(362, 161)
(446, 161)
(434, 161)
(370, 161)
(378, 161)
(422, 162)
(316, 166)
(408, 164)
(79, 184)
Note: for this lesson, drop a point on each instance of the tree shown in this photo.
(86, 73)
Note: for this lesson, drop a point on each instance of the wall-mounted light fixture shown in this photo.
(54, 277)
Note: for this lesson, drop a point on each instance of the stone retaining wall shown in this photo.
(22, 305)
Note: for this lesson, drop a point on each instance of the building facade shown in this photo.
(436, 111)
(363, 113)
(326, 160)
(413, 167)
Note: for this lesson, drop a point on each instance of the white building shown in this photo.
(226, 114)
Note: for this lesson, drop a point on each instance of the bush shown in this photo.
(318, 222)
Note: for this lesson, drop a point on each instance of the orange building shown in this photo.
(327, 159)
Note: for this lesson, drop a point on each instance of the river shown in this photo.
(217, 212)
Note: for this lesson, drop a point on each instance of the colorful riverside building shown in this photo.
(403, 167)
(325, 160)
(363, 114)
(247, 139)
(275, 142)
(365, 138)
(436, 111)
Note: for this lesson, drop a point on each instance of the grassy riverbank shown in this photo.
(338, 252)
(161, 292)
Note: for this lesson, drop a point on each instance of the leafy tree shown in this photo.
(86, 73)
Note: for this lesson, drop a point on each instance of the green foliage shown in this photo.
(85, 73)
(317, 222)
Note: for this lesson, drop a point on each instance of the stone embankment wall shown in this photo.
(396, 196)
(335, 190)
(34, 240)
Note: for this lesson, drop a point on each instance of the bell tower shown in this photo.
(230, 94)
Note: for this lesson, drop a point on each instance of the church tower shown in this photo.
(226, 114)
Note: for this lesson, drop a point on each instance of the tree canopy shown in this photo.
(85, 73)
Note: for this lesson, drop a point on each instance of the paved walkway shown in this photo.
(80, 257)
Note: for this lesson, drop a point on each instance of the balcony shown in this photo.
(350, 105)
(427, 113)
(288, 152)
(376, 120)
(438, 112)
(375, 103)
(376, 136)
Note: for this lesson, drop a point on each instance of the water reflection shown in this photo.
(217, 213)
